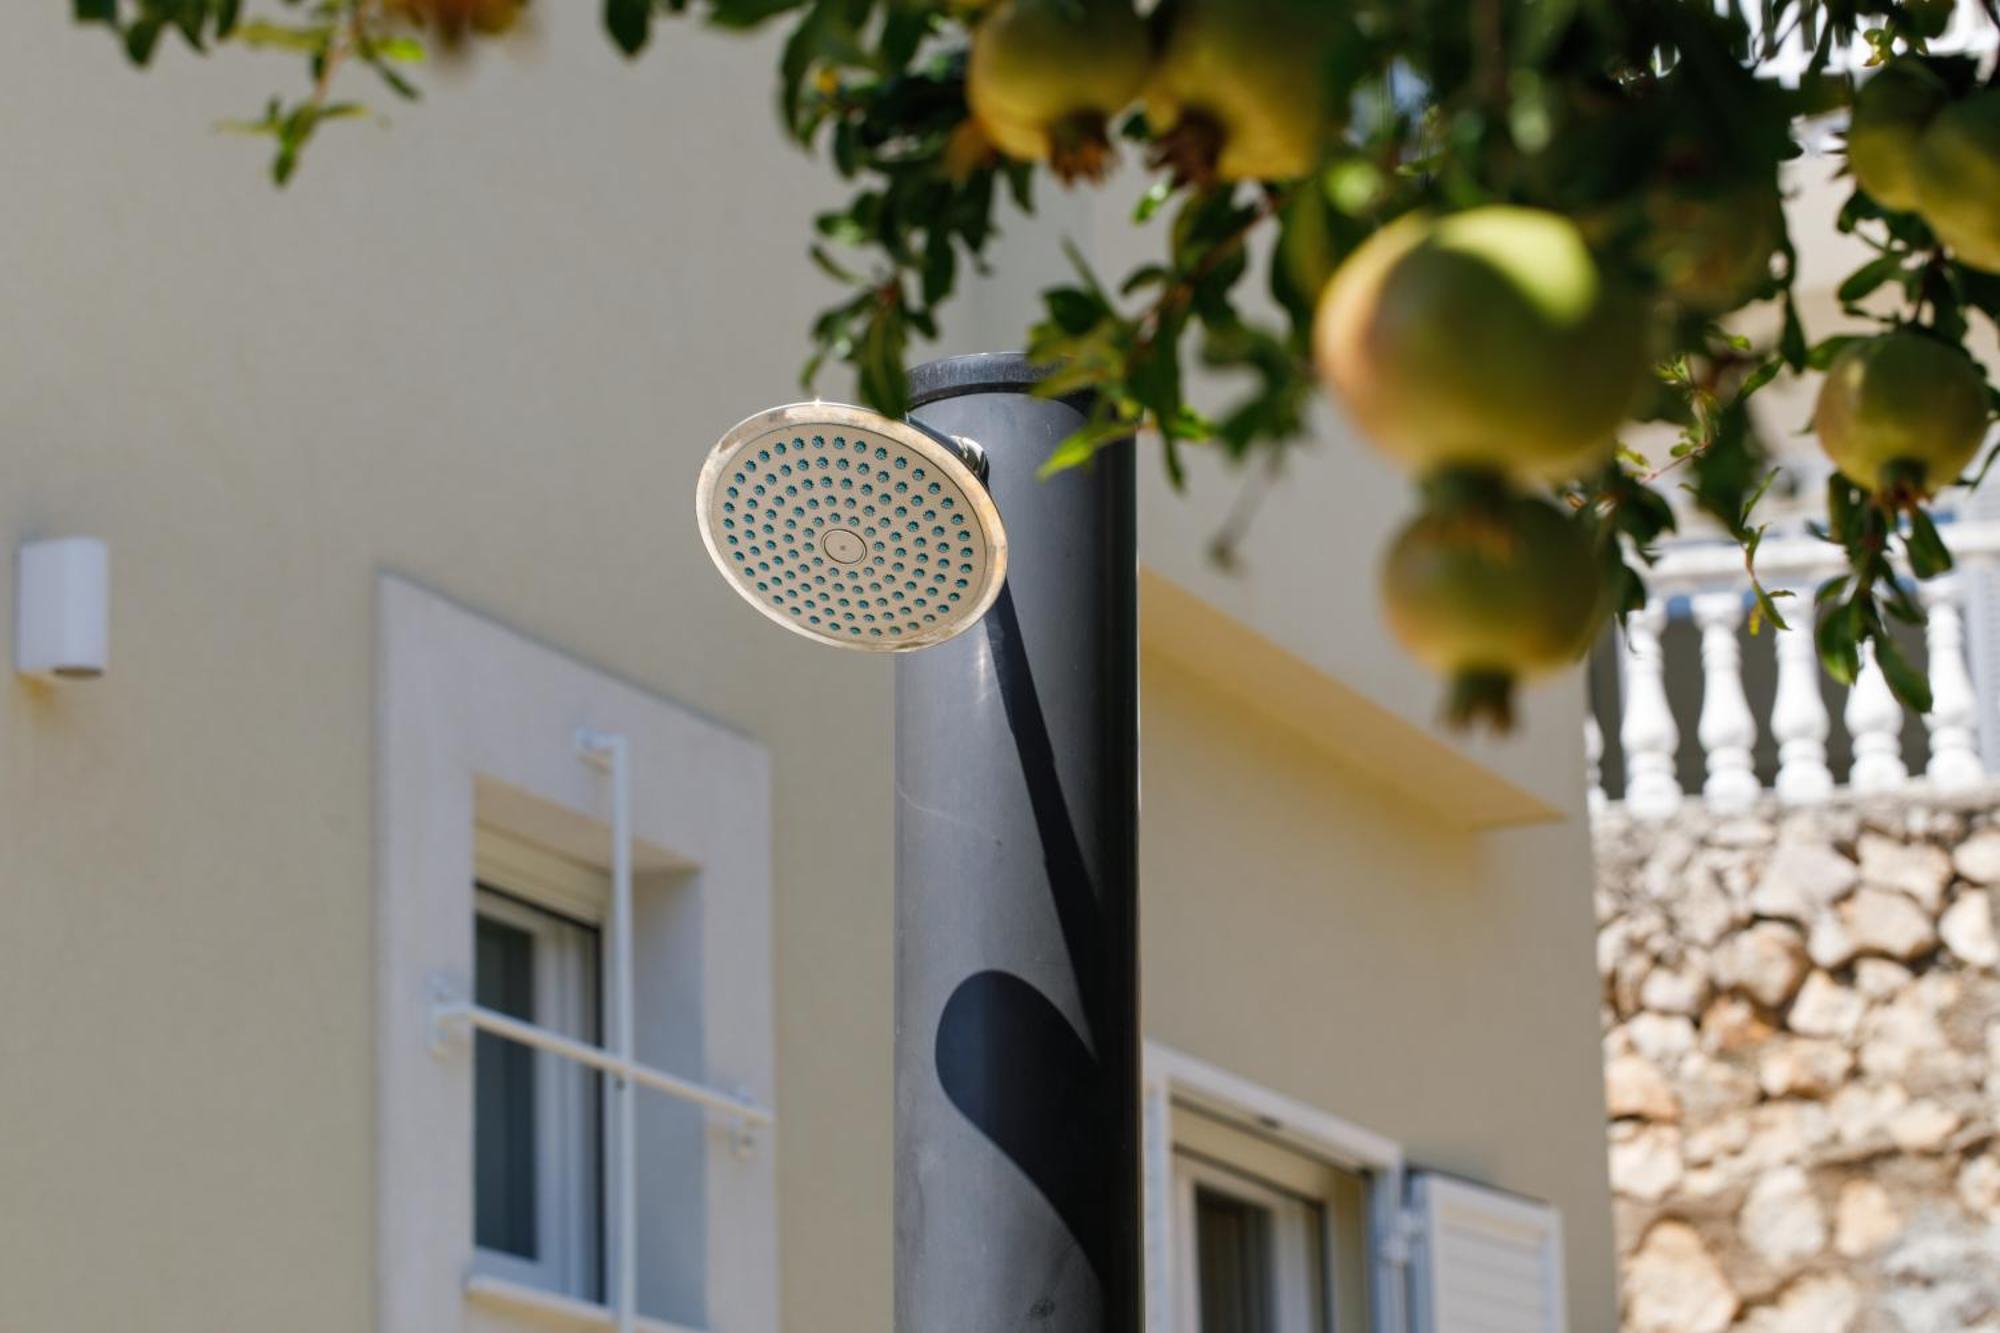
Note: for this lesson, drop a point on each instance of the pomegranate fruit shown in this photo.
(1239, 92)
(1491, 591)
(1045, 76)
(1902, 412)
(1488, 338)
(1890, 114)
(1958, 179)
(456, 20)
(1712, 252)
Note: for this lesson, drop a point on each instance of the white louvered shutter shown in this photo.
(1484, 1261)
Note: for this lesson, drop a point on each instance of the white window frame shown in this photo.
(478, 726)
(1299, 1245)
(1175, 1084)
(567, 1144)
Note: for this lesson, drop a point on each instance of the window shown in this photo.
(1265, 1215)
(1272, 1241)
(537, 1120)
(555, 848)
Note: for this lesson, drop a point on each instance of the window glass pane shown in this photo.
(1233, 1259)
(503, 1119)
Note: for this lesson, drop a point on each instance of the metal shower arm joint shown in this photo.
(973, 454)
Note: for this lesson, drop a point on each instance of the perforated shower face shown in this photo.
(851, 528)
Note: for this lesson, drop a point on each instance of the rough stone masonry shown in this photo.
(1802, 1066)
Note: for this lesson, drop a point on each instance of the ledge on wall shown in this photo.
(1234, 659)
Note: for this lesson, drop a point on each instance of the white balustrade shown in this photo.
(1788, 54)
(1875, 722)
(1705, 581)
(1727, 730)
(1799, 721)
(1954, 717)
(1593, 760)
(1649, 735)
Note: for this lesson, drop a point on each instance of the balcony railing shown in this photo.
(1687, 704)
(1791, 48)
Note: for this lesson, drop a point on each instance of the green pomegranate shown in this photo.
(1902, 412)
(456, 20)
(1488, 338)
(1239, 90)
(1045, 76)
(1491, 592)
(1958, 179)
(1890, 114)
(1712, 252)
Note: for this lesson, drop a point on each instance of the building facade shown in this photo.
(395, 473)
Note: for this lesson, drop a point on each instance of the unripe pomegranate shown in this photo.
(1487, 338)
(1712, 251)
(1489, 592)
(455, 20)
(1903, 412)
(1890, 114)
(1240, 92)
(1045, 76)
(1958, 179)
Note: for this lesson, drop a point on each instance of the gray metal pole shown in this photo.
(1017, 1032)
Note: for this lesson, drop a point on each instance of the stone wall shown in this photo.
(1802, 1064)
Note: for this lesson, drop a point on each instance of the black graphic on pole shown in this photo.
(1017, 1101)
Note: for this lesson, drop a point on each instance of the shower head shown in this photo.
(853, 528)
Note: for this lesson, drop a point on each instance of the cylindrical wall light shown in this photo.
(62, 609)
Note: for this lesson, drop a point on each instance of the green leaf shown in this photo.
(940, 269)
(95, 11)
(884, 384)
(1759, 377)
(1306, 254)
(1072, 310)
(1152, 200)
(1929, 556)
(1907, 683)
(828, 265)
(1870, 276)
(141, 38)
(630, 23)
(1767, 607)
(302, 39)
(1822, 354)
(1838, 638)
(1792, 337)
(1082, 445)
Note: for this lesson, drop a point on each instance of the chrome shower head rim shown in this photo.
(932, 449)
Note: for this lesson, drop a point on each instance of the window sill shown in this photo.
(564, 1312)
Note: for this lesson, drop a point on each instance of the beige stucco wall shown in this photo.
(485, 348)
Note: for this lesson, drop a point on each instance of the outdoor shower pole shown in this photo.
(1017, 1026)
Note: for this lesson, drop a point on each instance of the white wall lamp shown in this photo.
(62, 609)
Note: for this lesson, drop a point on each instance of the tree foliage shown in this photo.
(1649, 123)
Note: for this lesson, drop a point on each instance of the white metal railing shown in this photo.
(454, 1015)
(449, 1017)
(1705, 583)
